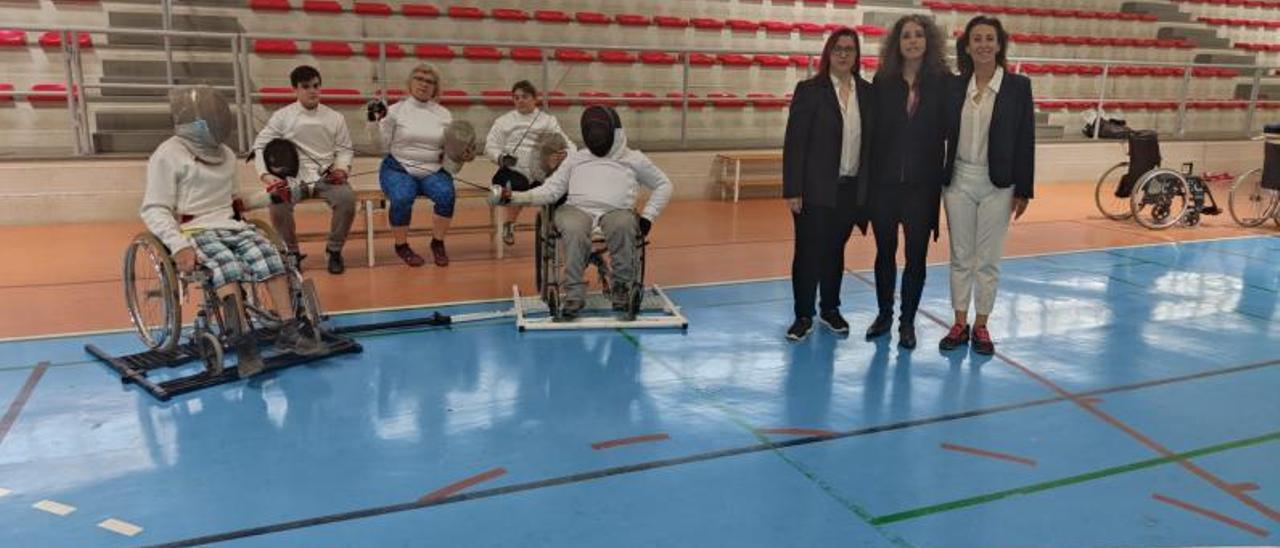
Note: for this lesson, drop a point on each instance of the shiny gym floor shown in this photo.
(1132, 403)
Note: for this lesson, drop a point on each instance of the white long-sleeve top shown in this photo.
(179, 185)
(413, 132)
(599, 185)
(320, 134)
(508, 136)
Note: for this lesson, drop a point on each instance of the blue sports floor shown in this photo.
(1133, 403)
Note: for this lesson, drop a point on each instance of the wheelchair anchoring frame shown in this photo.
(133, 368)
(670, 318)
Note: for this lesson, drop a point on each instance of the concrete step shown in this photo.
(1201, 37)
(1165, 11)
(129, 141)
(1225, 58)
(153, 72)
(1266, 91)
(209, 23)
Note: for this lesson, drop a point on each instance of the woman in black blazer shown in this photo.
(992, 172)
(908, 159)
(824, 176)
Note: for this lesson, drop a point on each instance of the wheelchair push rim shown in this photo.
(151, 292)
(1104, 194)
(1160, 198)
(1250, 204)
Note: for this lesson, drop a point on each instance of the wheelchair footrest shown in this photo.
(133, 368)
(656, 310)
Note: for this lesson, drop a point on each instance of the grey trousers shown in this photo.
(621, 227)
(339, 197)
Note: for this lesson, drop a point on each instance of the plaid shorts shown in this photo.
(241, 255)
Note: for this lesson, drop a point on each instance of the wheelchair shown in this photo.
(549, 264)
(156, 293)
(1255, 195)
(1154, 196)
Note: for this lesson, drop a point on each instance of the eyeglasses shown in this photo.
(424, 80)
(843, 51)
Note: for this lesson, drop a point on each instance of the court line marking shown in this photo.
(1211, 514)
(688, 459)
(647, 438)
(985, 453)
(120, 527)
(444, 304)
(54, 507)
(1073, 480)
(809, 432)
(462, 485)
(1094, 410)
(20, 400)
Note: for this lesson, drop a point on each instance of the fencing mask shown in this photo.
(281, 157)
(202, 120)
(459, 138)
(599, 125)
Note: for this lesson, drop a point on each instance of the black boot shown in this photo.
(883, 322)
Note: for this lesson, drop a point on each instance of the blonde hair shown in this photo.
(428, 69)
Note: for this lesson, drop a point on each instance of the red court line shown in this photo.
(810, 432)
(1211, 514)
(455, 487)
(1165, 452)
(985, 453)
(629, 441)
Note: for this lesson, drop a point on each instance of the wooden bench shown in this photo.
(737, 181)
(367, 200)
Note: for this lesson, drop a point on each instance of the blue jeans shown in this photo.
(402, 188)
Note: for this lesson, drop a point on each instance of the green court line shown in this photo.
(1071, 480)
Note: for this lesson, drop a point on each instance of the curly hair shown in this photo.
(891, 60)
(964, 61)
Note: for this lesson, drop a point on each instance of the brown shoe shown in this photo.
(410, 258)
(437, 251)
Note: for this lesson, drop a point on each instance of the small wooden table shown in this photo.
(737, 159)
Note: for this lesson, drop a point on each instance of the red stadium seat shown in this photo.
(706, 23)
(465, 12)
(771, 61)
(394, 51)
(6, 93)
(419, 10)
(371, 8)
(783, 27)
(331, 49)
(676, 99)
(766, 100)
(454, 97)
(509, 14)
(432, 51)
(269, 5)
(557, 98)
(616, 57)
(870, 63)
(670, 22)
(591, 18)
(13, 38)
(321, 6)
(276, 95)
(742, 25)
(658, 58)
(724, 99)
(526, 54)
(870, 30)
(51, 87)
(733, 59)
(701, 59)
(341, 96)
(810, 28)
(573, 56)
(481, 53)
(632, 20)
(603, 98)
(844, 3)
(641, 99)
(800, 60)
(274, 46)
(496, 97)
(53, 39)
(552, 16)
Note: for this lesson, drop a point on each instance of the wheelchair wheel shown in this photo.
(1249, 203)
(151, 292)
(211, 354)
(1104, 194)
(1160, 198)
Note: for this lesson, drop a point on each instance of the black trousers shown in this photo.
(818, 263)
(914, 207)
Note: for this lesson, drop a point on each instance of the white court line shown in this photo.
(122, 527)
(52, 507)
(4, 492)
(426, 306)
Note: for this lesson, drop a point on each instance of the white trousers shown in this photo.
(977, 221)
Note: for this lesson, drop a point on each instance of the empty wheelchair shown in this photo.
(1156, 197)
(549, 264)
(1255, 195)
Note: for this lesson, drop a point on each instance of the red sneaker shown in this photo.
(957, 336)
(982, 341)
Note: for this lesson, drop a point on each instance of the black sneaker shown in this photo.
(834, 321)
(336, 266)
(802, 327)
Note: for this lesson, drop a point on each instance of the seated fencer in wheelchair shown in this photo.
(190, 205)
(598, 185)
